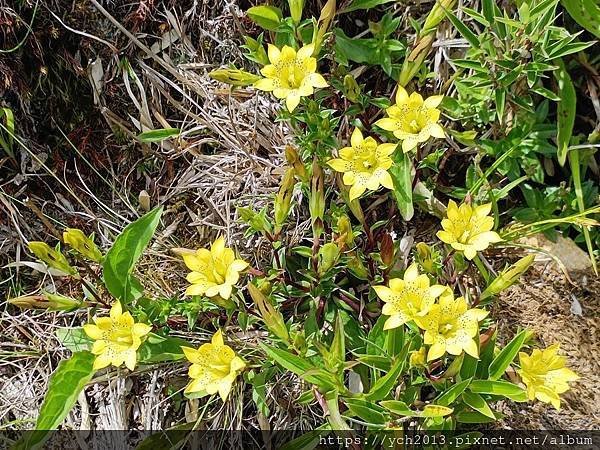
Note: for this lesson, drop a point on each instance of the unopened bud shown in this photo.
(296, 7)
(52, 257)
(508, 277)
(351, 88)
(418, 357)
(234, 77)
(344, 228)
(387, 249)
(82, 244)
(328, 256)
(293, 159)
(270, 316)
(52, 302)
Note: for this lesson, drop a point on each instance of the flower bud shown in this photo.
(426, 257)
(387, 249)
(328, 256)
(296, 7)
(52, 302)
(356, 266)
(235, 77)
(316, 202)
(293, 159)
(283, 199)
(82, 244)
(346, 234)
(507, 277)
(351, 88)
(270, 316)
(325, 19)
(52, 257)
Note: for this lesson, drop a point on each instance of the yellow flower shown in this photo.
(116, 338)
(364, 164)
(214, 367)
(291, 74)
(450, 327)
(545, 375)
(407, 299)
(214, 271)
(468, 229)
(412, 119)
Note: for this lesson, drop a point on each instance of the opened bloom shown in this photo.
(545, 375)
(468, 229)
(407, 299)
(214, 271)
(364, 165)
(291, 74)
(451, 327)
(116, 338)
(412, 119)
(214, 368)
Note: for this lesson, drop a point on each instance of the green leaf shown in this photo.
(120, 259)
(367, 411)
(384, 385)
(506, 356)
(160, 349)
(503, 388)
(67, 381)
(463, 29)
(376, 338)
(301, 367)
(74, 339)
(398, 407)
(363, 4)
(401, 173)
(566, 110)
(158, 135)
(265, 16)
(477, 402)
(451, 394)
(376, 362)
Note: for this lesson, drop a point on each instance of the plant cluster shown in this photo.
(377, 332)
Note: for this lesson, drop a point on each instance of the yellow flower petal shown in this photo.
(116, 311)
(265, 84)
(273, 53)
(292, 100)
(103, 360)
(433, 101)
(356, 138)
(305, 52)
(93, 331)
(401, 95)
(387, 124)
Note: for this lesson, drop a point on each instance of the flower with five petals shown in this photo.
(214, 368)
(214, 271)
(545, 375)
(364, 164)
(408, 298)
(468, 229)
(450, 326)
(412, 119)
(116, 338)
(291, 75)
